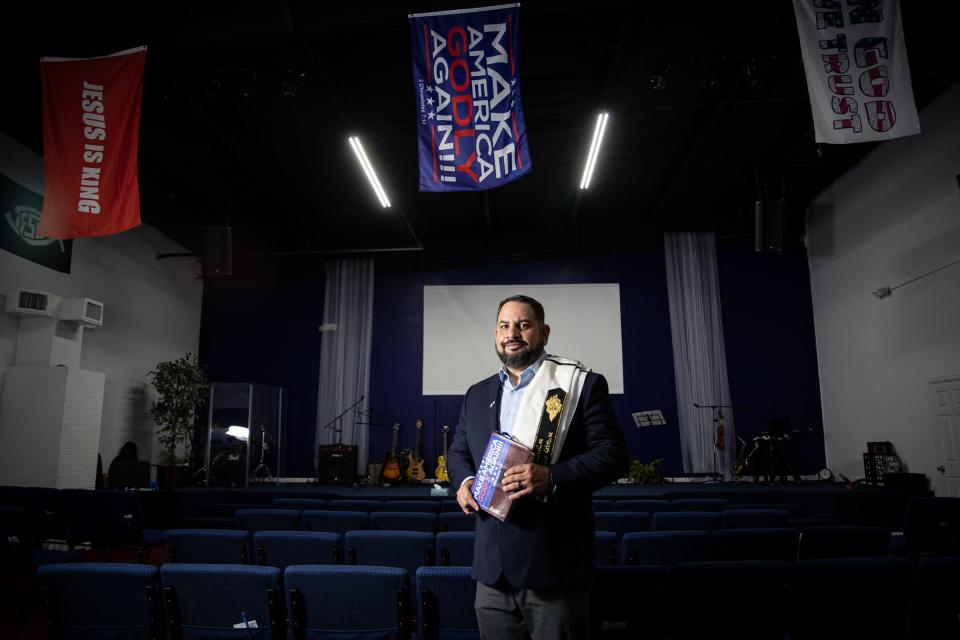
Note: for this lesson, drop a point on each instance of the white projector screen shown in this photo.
(458, 326)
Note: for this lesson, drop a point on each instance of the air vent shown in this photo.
(31, 301)
(85, 311)
(28, 303)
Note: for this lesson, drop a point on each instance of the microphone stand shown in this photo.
(339, 428)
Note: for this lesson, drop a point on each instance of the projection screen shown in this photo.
(458, 325)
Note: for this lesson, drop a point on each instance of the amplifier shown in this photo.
(337, 464)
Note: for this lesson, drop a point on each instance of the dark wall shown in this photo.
(262, 329)
(771, 348)
(396, 380)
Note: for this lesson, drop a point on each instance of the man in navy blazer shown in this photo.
(533, 570)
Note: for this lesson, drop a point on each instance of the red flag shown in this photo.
(91, 125)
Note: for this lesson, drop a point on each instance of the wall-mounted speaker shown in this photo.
(218, 251)
(768, 225)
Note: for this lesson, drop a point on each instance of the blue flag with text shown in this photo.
(470, 127)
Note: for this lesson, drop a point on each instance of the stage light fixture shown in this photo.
(594, 150)
(368, 170)
(238, 432)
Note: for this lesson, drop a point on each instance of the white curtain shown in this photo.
(345, 355)
(699, 356)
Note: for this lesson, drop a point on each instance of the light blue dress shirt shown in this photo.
(513, 394)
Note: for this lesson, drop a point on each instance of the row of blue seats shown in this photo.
(410, 549)
(674, 547)
(112, 601)
(834, 599)
(340, 521)
(405, 549)
(877, 598)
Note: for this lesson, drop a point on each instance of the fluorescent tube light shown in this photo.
(368, 169)
(594, 150)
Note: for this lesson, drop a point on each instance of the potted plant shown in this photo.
(181, 387)
(646, 472)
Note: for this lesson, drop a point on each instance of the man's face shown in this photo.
(519, 339)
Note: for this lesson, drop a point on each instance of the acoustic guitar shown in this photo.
(415, 471)
(391, 465)
(442, 459)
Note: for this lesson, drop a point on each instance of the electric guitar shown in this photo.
(415, 461)
(391, 466)
(441, 472)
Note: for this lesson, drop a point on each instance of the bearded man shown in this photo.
(533, 570)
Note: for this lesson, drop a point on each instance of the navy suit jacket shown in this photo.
(542, 544)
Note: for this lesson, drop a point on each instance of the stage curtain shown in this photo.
(345, 346)
(699, 356)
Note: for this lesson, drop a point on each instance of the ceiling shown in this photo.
(247, 107)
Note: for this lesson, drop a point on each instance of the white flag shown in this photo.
(857, 71)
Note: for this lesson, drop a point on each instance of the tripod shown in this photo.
(262, 471)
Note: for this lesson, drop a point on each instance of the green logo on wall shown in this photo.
(19, 232)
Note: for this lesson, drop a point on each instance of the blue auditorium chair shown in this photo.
(81, 508)
(455, 548)
(445, 598)
(211, 546)
(355, 505)
(650, 506)
(46, 513)
(284, 548)
(686, 521)
(935, 606)
(699, 504)
(20, 550)
(755, 518)
(207, 601)
(606, 548)
(122, 524)
(106, 601)
(405, 549)
(932, 526)
(404, 521)
(629, 603)
(335, 521)
(845, 598)
(447, 506)
(702, 600)
(604, 504)
(621, 522)
(301, 504)
(418, 506)
(456, 521)
(254, 520)
(843, 541)
(754, 544)
(330, 601)
(664, 547)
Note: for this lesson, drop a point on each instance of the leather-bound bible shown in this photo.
(501, 454)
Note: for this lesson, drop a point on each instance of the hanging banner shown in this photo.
(19, 228)
(470, 126)
(858, 76)
(91, 125)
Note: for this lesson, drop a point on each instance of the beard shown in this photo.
(520, 359)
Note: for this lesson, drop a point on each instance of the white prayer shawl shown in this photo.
(554, 372)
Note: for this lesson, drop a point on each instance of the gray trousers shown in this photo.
(506, 613)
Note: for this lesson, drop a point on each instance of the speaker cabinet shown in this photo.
(337, 464)
(768, 225)
(218, 251)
